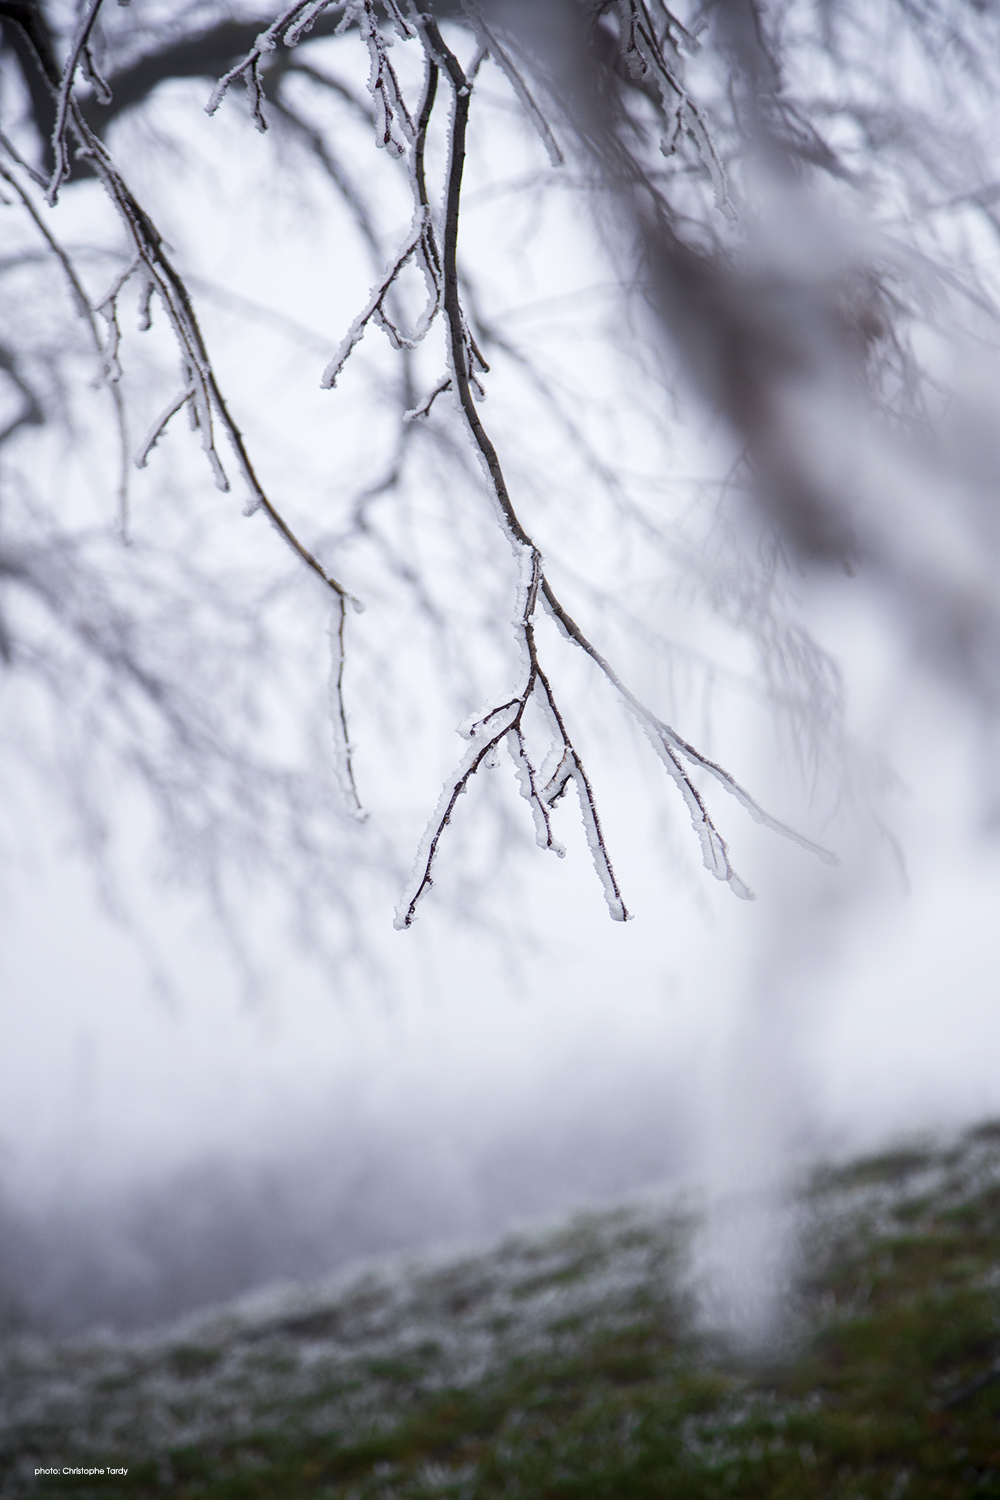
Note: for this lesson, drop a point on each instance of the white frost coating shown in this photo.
(634, 59)
(305, 23)
(160, 425)
(666, 68)
(668, 144)
(481, 720)
(111, 296)
(423, 409)
(64, 100)
(567, 634)
(695, 126)
(147, 288)
(715, 855)
(109, 354)
(373, 306)
(616, 905)
(400, 22)
(420, 881)
(517, 547)
(529, 791)
(470, 728)
(529, 572)
(200, 407)
(666, 740)
(557, 767)
(342, 767)
(218, 472)
(432, 283)
(555, 782)
(743, 797)
(101, 87)
(267, 40)
(390, 108)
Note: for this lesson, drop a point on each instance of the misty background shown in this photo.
(188, 1112)
(164, 1148)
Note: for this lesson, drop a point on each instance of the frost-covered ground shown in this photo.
(577, 1361)
(343, 1354)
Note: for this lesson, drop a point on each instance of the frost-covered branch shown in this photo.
(865, 193)
(290, 27)
(201, 392)
(504, 723)
(79, 51)
(541, 787)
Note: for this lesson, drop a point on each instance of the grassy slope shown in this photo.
(568, 1366)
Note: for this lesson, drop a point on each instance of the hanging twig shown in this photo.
(295, 23)
(650, 50)
(504, 723)
(65, 98)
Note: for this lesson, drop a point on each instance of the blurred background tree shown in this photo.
(796, 204)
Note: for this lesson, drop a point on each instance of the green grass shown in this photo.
(571, 1366)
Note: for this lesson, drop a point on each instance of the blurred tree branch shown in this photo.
(728, 160)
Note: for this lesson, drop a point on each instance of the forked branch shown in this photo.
(504, 723)
(651, 49)
(541, 786)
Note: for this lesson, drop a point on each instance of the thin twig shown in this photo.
(295, 23)
(64, 101)
(668, 744)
